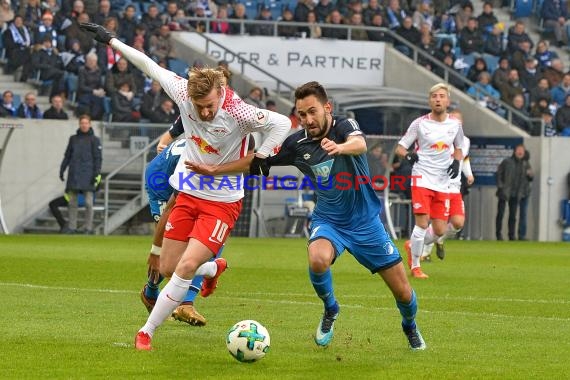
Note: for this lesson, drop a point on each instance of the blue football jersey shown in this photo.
(343, 196)
(160, 169)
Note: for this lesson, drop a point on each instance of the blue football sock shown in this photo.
(408, 311)
(152, 290)
(193, 290)
(322, 282)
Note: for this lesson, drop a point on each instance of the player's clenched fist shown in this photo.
(97, 32)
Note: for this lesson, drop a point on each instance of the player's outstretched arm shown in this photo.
(233, 167)
(354, 145)
(140, 60)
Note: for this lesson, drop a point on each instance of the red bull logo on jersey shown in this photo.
(440, 146)
(204, 145)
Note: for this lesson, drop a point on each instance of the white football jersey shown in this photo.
(221, 140)
(435, 142)
(455, 183)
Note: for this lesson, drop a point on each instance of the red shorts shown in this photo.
(430, 202)
(456, 205)
(209, 222)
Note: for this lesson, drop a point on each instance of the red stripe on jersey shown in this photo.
(228, 98)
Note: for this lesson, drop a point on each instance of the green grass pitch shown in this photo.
(70, 309)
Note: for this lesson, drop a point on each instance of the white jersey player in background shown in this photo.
(456, 203)
(438, 139)
(216, 126)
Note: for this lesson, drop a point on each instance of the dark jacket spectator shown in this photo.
(50, 66)
(152, 20)
(127, 25)
(477, 68)
(238, 14)
(487, 19)
(263, 29)
(90, 90)
(562, 117)
(323, 9)
(288, 30)
(301, 9)
(120, 73)
(165, 114)
(56, 111)
(378, 34)
(17, 42)
(122, 104)
(517, 34)
(335, 18)
(471, 38)
(152, 99)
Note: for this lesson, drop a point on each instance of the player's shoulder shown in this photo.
(346, 125)
(296, 138)
(421, 119)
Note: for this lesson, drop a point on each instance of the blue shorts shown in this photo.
(369, 244)
(156, 208)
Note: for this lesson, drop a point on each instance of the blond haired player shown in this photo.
(438, 139)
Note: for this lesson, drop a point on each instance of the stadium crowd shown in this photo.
(42, 41)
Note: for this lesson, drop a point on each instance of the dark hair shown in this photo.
(312, 88)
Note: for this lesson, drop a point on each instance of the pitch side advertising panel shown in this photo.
(297, 61)
(485, 155)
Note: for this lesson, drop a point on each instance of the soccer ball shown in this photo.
(248, 341)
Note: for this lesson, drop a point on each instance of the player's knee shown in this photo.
(319, 261)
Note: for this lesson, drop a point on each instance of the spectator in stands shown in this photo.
(198, 25)
(255, 97)
(478, 67)
(29, 109)
(374, 158)
(289, 30)
(484, 92)
(445, 48)
(17, 42)
(263, 29)
(554, 13)
(170, 13)
(514, 175)
(7, 107)
(511, 87)
(46, 28)
(547, 121)
(165, 114)
(31, 12)
(222, 27)
(313, 30)
(562, 118)
(516, 35)
(372, 8)
(471, 39)
(6, 13)
(73, 8)
(520, 56)
(560, 92)
(210, 7)
(519, 119)
(324, 8)
(334, 18)
(554, 72)
(238, 14)
(160, 46)
(104, 12)
(487, 19)
(295, 123)
(428, 45)
(106, 56)
(410, 33)
(72, 32)
(271, 105)
(357, 33)
(141, 38)
(83, 158)
(90, 91)
(540, 106)
(423, 15)
(544, 55)
(73, 59)
(455, 78)
(530, 75)
(501, 74)
(49, 64)
(56, 111)
(463, 15)
(302, 8)
(119, 74)
(151, 19)
(123, 105)
(444, 27)
(127, 25)
(493, 44)
(152, 99)
(377, 34)
(395, 15)
(541, 91)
